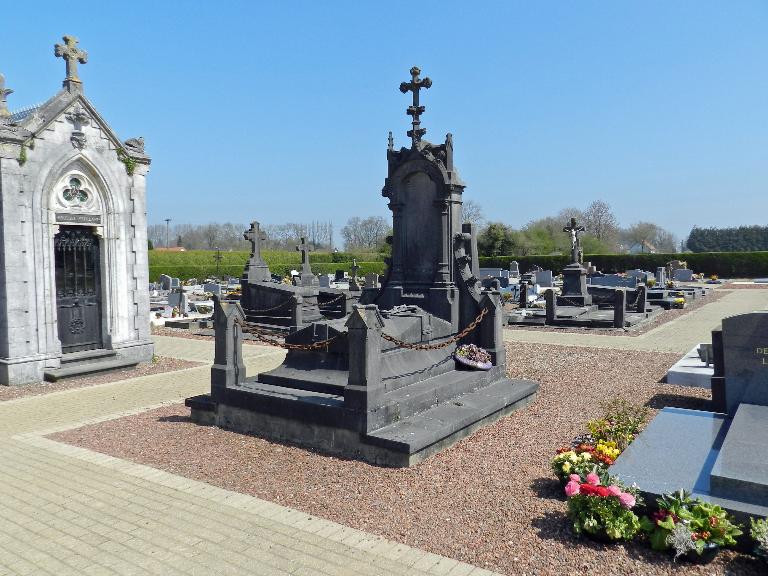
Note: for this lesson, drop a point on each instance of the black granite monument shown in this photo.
(381, 384)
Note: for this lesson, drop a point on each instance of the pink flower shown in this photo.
(572, 488)
(575, 478)
(615, 490)
(627, 500)
(593, 479)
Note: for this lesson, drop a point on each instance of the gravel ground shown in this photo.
(489, 500)
(162, 364)
(664, 317)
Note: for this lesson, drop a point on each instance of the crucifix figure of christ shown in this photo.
(305, 249)
(575, 232)
(72, 55)
(4, 112)
(415, 110)
(255, 235)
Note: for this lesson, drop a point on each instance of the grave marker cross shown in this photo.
(255, 235)
(354, 269)
(71, 55)
(305, 249)
(415, 110)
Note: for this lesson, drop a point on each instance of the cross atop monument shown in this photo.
(4, 112)
(575, 231)
(71, 55)
(354, 268)
(305, 249)
(255, 235)
(415, 110)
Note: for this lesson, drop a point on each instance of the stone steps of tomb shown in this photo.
(87, 362)
(427, 431)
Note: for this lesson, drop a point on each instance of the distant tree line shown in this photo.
(545, 236)
(229, 236)
(741, 239)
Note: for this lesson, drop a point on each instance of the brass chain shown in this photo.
(472, 325)
(267, 338)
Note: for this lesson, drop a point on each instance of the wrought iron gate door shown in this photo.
(78, 288)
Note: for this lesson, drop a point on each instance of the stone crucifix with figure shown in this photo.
(415, 110)
(575, 231)
(71, 55)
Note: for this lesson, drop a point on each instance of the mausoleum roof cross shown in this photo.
(415, 110)
(4, 112)
(71, 55)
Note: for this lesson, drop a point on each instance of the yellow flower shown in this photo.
(567, 467)
(586, 456)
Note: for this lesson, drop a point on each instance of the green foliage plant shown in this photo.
(759, 532)
(706, 523)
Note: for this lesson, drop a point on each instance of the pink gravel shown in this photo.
(490, 500)
(160, 365)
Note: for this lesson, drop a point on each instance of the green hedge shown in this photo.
(724, 264)
(201, 263)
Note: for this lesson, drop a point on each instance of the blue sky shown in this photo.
(279, 111)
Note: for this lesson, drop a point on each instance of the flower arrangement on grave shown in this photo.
(651, 282)
(473, 356)
(570, 462)
(759, 532)
(689, 526)
(714, 277)
(601, 508)
(670, 284)
(618, 427)
(678, 302)
(174, 312)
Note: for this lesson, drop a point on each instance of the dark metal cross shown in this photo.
(218, 257)
(4, 113)
(575, 231)
(305, 249)
(255, 236)
(72, 55)
(354, 269)
(415, 110)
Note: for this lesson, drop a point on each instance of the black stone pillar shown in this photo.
(228, 369)
(619, 308)
(551, 306)
(364, 392)
(718, 377)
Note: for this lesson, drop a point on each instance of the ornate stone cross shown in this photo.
(575, 231)
(415, 110)
(72, 55)
(305, 249)
(4, 112)
(255, 235)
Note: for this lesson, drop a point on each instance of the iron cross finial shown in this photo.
(390, 142)
(4, 112)
(71, 55)
(415, 110)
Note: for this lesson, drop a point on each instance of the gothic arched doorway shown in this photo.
(78, 288)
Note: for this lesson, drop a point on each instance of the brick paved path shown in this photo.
(69, 511)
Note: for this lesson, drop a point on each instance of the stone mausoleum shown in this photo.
(73, 241)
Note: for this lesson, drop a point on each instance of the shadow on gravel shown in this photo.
(660, 401)
(175, 418)
(554, 526)
(548, 488)
(746, 566)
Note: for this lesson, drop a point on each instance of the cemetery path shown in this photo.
(678, 335)
(71, 511)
